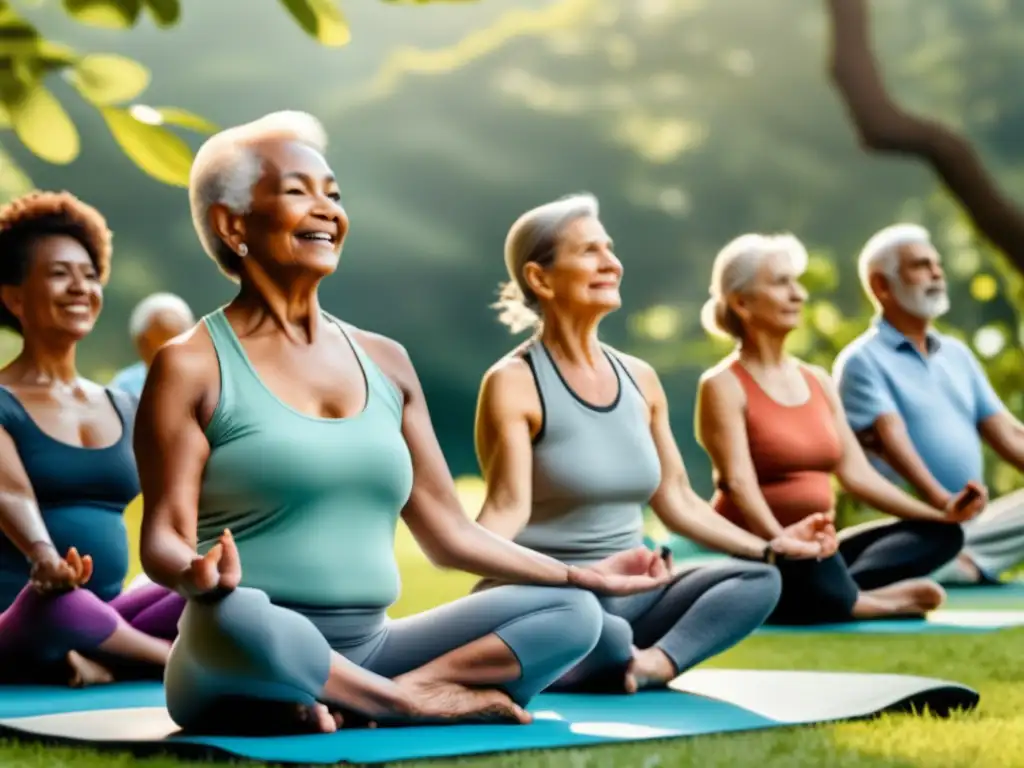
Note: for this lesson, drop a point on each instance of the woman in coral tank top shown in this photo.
(777, 435)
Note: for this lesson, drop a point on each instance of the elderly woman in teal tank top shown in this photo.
(574, 440)
(277, 448)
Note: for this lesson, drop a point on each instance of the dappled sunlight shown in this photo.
(514, 24)
(660, 139)
(989, 341)
(659, 323)
(539, 94)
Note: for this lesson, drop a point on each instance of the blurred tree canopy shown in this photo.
(692, 120)
(108, 82)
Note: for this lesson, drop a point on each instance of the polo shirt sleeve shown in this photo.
(986, 401)
(863, 390)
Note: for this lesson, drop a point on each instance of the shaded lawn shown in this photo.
(992, 736)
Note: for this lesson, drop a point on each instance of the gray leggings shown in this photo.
(703, 612)
(243, 650)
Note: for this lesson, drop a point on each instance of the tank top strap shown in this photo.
(626, 379)
(12, 412)
(746, 380)
(125, 403)
(553, 393)
(234, 366)
(379, 385)
(818, 394)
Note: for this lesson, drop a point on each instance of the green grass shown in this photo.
(992, 736)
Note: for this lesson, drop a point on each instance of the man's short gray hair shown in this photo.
(734, 270)
(153, 305)
(881, 253)
(227, 167)
(534, 238)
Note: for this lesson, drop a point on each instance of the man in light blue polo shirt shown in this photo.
(921, 404)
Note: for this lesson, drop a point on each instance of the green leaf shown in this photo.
(17, 36)
(321, 19)
(183, 119)
(109, 14)
(5, 117)
(13, 181)
(55, 55)
(106, 79)
(152, 148)
(43, 126)
(165, 12)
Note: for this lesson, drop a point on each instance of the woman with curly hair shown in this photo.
(67, 469)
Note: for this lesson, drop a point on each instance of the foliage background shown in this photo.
(691, 120)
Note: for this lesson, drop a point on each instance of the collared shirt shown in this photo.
(130, 379)
(942, 397)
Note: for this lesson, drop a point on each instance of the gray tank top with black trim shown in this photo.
(594, 467)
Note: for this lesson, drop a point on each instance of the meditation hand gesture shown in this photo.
(814, 536)
(53, 573)
(625, 573)
(218, 571)
(967, 504)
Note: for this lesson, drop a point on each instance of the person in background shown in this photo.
(156, 319)
(66, 466)
(776, 433)
(278, 446)
(921, 404)
(574, 439)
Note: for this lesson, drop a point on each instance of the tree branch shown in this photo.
(884, 127)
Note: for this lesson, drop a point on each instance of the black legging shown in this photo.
(870, 556)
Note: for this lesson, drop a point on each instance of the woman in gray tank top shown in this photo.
(574, 440)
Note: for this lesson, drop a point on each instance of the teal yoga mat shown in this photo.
(1006, 595)
(942, 622)
(132, 717)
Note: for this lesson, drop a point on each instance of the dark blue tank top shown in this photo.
(82, 493)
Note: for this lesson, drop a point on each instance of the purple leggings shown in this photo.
(38, 630)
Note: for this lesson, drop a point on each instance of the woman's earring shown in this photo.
(243, 250)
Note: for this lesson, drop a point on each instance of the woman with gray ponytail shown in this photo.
(776, 433)
(573, 439)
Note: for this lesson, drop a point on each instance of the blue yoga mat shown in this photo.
(132, 717)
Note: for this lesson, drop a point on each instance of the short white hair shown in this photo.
(153, 305)
(734, 270)
(533, 238)
(881, 253)
(226, 168)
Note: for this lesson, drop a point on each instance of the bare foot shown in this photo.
(86, 672)
(913, 597)
(444, 701)
(650, 668)
(925, 594)
(968, 568)
(318, 718)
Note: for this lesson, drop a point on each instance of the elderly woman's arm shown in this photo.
(171, 452)
(22, 522)
(507, 403)
(722, 431)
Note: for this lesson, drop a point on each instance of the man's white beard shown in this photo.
(918, 302)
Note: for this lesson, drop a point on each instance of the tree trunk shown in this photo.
(883, 126)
